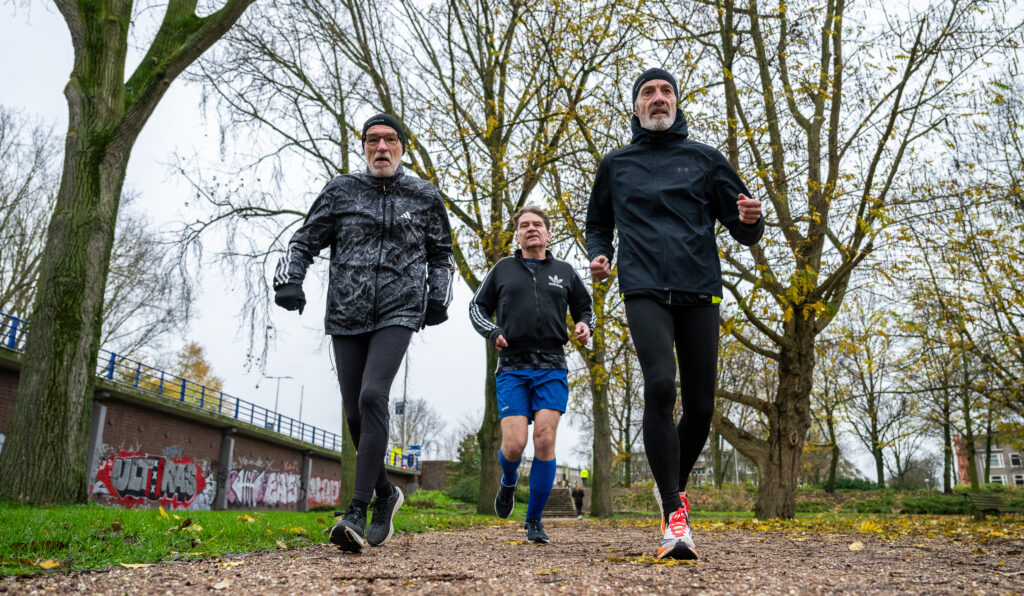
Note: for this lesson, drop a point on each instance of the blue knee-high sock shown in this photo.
(509, 469)
(542, 476)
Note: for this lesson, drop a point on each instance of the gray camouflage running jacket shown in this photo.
(391, 251)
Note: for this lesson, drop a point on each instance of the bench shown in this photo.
(985, 503)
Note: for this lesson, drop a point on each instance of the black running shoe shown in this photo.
(348, 533)
(505, 500)
(535, 531)
(384, 510)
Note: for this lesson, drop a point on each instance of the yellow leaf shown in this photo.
(163, 514)
(857, 545)
(281, 544)
(136, 565)
(230, 563)
(50, 564)
(193, 528)
(297, 530)
(545, 572)
(175, 516)
(222, 584)
(246, 518)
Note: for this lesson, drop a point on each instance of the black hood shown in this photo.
(676, 132)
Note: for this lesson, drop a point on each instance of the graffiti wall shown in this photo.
(323, 491)
(139, 479)
(259, 488)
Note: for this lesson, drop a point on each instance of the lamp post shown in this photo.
(277, 393)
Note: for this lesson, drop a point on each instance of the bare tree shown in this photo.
(418, 424)
(147, 299)
(825, 107)
(44, 460)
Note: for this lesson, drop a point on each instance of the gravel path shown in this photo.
(584, 557)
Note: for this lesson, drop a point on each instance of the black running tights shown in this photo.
(673, 450)
(367, 364)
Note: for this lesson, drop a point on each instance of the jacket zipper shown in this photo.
(380, 251)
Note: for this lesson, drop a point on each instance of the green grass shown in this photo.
(79, 537)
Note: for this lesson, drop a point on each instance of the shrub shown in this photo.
(882, 504)
(935, 505)
(466, 490)
(814, 506)
(850, 484)
(433, 499)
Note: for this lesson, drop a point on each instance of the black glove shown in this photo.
(290, 297)
(436, 314)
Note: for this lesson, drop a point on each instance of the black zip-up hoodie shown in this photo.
(664, 193)
(391, 251)
(530, 308)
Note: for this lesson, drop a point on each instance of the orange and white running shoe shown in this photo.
(677, 540)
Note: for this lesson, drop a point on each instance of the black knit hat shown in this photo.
(386, 120)
(653, 74)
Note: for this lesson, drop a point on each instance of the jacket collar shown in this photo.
(378, 182)
(519, 254)
(676, 132)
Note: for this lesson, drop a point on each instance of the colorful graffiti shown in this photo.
(132, 479)
(323, 491)
(260, 488)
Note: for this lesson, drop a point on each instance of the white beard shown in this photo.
(658, 123)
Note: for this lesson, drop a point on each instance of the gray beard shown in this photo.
(658, 123)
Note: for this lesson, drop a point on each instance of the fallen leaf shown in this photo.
(163, 514)
(135, 565)
(230, 563)
(116, 528)
(545, 572)
(50, 564)
(222, 584)
(246, 518)
(857, 546)
(281, 544)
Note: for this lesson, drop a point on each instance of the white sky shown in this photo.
(447, 362)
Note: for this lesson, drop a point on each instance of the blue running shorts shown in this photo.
(523, 392)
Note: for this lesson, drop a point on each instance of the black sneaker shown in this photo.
(505, 500)
(348, 533)
(384, 510)
(535, 531)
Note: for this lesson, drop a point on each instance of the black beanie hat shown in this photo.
(653, 74)
(386, 120)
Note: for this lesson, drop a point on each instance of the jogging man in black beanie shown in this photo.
(390, 275)
(664, 192)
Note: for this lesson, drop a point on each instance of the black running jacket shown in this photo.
(391, 251)
(664, 193)
(530, 308)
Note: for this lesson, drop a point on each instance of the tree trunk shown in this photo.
(947, 451)
(348, 465)
(44, 459)
(718, 474)
(489, 438)
(830, 485)
(789, 419)
(596, 359)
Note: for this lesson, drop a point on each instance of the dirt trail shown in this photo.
(584, 557)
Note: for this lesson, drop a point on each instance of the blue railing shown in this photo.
(125, 371)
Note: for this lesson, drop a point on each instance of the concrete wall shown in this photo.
(148, 451)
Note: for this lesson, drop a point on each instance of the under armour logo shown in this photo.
(405, 215)
(554, 280)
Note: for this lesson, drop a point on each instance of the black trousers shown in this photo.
(656, 328)
(367, 364)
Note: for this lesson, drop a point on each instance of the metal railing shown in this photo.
(132, 373)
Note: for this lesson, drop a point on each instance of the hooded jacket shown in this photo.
(664, 193)
(391, 251)
(530, 307)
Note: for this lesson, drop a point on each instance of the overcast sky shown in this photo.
(447, 362)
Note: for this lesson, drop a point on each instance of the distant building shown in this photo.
(1006, 463)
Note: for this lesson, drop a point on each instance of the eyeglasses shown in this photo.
(392, 140)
